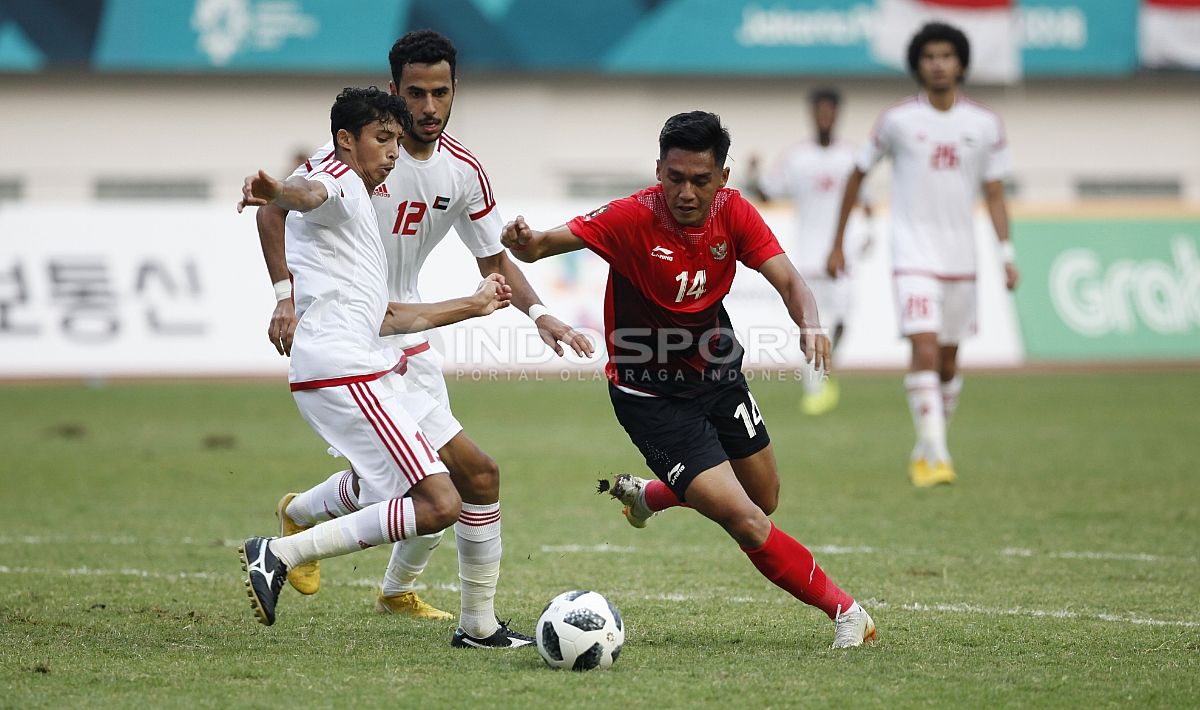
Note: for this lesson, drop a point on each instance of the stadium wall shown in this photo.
(538, 137)
(179, 290)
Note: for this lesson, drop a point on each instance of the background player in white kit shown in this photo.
(341, 371)
(437, 184)
(813, 175)
(944, 148)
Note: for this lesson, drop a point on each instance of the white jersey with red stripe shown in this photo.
(419, 203)
(813, 177)
(339, 273)
(940, 160)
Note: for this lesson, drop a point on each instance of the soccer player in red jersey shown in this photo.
(674, 366)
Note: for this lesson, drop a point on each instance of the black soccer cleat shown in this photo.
(503, 638)
(265, 575)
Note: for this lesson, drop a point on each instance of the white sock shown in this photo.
(950, 392)
(929, 419)
(332, 498)
(408, 561)
(477, 533)
(376, 524)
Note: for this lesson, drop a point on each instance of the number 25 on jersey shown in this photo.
(408, 216)
(696, 289)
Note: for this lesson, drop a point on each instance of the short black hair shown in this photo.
(422, 47)
(695, 131)
(938, 32)
(355, 108)
(825, 93)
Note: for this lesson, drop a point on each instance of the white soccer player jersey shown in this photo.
(418, 204)
(813, 176)
(339, 273)
(940, 161)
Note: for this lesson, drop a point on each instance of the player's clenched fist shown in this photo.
(493, 293)
(516, 234)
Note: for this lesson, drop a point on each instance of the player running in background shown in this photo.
(341, 371)
(944, 148)
(813, 175)
(674, 368)
(437, 185)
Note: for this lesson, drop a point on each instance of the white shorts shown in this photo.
(926, 304)
(366, 422)
(833, 299)
(426, 398)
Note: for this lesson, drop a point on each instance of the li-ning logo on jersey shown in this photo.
(662, 253)
(673, 474)
(719, 251)
(595, 213)
(380, 191)
(441, 203)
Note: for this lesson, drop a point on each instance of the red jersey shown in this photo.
(666, 330)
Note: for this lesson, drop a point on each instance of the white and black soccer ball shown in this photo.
(580, 630)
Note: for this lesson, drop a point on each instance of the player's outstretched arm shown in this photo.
(529, 244)
(493, 294)
(551, 330)
(294, 194)
(802, 307)
(836, 263)
(997, 208)
(282, 328)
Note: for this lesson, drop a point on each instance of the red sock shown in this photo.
(659, 497)
(791, 566)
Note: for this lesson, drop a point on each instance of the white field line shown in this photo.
(954, 608)
(1091, 555)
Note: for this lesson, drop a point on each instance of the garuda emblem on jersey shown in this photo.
(719, 251)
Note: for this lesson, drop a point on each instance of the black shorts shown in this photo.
(681, 438)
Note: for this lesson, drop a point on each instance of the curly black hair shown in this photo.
(355, 108)
(422, 47)
(695, 131)
(938, 32)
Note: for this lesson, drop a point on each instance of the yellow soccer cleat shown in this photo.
(920, 473)
(304, 578)
(409, 604)
(822, 402)
(943, 473)
(923, 475)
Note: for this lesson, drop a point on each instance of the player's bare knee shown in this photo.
(445, 509)
(768, 501)
(438, 503)
(749, 527)
(478, 480)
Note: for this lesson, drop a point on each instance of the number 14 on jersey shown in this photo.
(696, 289)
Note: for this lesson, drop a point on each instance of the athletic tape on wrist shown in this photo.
(1008, 253)
(537, 310)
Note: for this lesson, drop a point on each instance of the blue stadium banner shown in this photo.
(667, 37)
(247, 35)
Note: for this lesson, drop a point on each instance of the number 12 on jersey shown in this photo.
(408, 217)
(697, 288)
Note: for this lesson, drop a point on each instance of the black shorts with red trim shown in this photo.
(683, 437)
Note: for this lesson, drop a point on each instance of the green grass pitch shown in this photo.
(1062, 570)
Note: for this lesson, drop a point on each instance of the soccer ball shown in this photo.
(580, 630)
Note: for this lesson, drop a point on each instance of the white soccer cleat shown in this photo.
(853, 627)
(627, 488)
